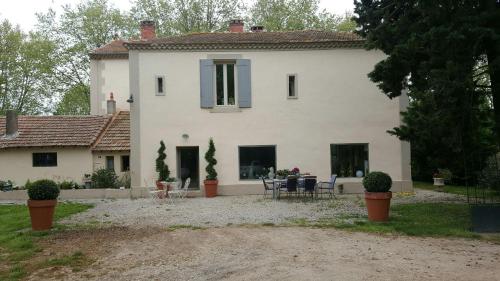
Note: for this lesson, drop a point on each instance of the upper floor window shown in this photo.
(225, 84)
(160, 85)
(292, 86)
(45, 159)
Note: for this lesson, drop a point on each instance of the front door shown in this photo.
(188, 165)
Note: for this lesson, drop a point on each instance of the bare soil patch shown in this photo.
(267, 253)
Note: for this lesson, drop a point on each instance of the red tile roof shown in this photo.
(116, 136)
(50, 131)
(114, 49)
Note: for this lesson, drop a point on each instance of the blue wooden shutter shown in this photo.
(207, 83)
(244, 83)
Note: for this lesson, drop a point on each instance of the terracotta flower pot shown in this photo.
(41, 213)
(210, 188)
(378, 204)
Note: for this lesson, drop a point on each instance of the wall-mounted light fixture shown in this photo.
(185, 136)
(130, 99)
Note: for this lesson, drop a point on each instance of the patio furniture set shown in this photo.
(170, 192)
(299, 186)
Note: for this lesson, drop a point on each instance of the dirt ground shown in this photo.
(267, 253)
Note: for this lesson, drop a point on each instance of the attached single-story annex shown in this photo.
(63, 147)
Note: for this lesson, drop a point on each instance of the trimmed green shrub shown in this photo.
(68, 185)
(161, 166)
(43, 190)
(377, 182)
(104, 178)
(209, 156)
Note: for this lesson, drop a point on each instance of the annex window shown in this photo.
(292, 86)
(255, 161)
(225, 84)
(110, 163)
(349, 160)
(160, 85)
(46, 159)
(125, 163)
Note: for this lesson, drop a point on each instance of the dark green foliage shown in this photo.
(209, 156)
(161, 166)
(447, 55)
(68, 185)
(43, 190)
(377, 182)
(104, 178)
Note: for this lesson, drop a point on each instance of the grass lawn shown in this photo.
(18, 242)
(455, 189)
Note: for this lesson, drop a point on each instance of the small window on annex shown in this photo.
(255, 161)
(125, 163)
(160, 85)
(292, 86)
(110, 163)
(45, 159)
(349, 160)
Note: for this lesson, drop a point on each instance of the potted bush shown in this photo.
(162, 167)
(42, 201)
(377, 195)
(211, 181)
(438, 179)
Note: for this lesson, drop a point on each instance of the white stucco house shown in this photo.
(268, 99)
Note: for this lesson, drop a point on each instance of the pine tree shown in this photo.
(161, 166)
(209, 156)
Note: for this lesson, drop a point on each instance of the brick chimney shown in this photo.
(148, 30)
(236, 26)
(11, 123)
(111, 104)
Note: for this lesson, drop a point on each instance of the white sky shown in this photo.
(22, 12)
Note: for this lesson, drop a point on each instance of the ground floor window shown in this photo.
(110, 163)
(255, 161)
(349, 160)
(125, 163)
(45, 159)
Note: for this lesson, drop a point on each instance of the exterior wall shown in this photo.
(99, 161)
(108, 75)
(336, 104)
(72, 164)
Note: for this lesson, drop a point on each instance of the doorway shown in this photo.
(188, 165)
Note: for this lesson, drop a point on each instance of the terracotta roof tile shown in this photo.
(48, 131)
(116, 136)
(114, 48)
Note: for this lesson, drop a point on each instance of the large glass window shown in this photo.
(45, 159)
(255, 161)
(225, 87)
(349, 160)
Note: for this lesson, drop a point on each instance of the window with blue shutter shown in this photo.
(207, 83)
(244, 83)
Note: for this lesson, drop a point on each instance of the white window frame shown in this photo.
(224, 71)
(296, 96)
(157, 90)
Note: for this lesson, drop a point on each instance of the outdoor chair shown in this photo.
(180, 191)
(291, 185)
(327, 187)
(267, 186)
(310, 185)
(157, 195)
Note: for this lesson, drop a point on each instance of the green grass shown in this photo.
(419, 219)
(17, 241)
(454, 189)
(183, 226)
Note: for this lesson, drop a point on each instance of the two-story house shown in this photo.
(268, 99)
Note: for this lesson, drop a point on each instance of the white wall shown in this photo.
(108, 75)
(72, 164)
(337, 104)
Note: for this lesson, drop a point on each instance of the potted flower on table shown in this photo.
(377, 195)
(42, 202)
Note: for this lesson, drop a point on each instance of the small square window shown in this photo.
(45, 159)
(160, 85)
(292, 86)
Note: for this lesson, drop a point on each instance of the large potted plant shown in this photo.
(42, 201)
(211, 181)
(377, 195)
(162, 167)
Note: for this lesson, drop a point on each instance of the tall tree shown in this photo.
(26, 62)
(77, 31)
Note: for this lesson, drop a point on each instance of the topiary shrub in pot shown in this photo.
(377, 195)
(42, 201)
(210, 181)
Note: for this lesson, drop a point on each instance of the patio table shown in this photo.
(277, 183)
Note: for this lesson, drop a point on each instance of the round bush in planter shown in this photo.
(377, 195)
(42, 201)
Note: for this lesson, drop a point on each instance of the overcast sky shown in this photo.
(22, 12)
